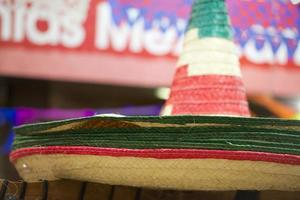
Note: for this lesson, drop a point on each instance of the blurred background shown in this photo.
(74, 58)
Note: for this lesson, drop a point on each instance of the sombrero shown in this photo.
(206, 141)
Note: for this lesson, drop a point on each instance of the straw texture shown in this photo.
(183, 174)
(271, 161)
(155, 133)
(187, 132)
(208, 54)
(201, 147)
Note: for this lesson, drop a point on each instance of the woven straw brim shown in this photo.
(183, 174)
(271, 160)
(175, 132)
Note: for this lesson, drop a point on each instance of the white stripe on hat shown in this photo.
(214, 44)
(167, 110)
(213, 68)
(192, 34)
(187, 58)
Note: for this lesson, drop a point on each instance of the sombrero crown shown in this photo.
(208, 145)
(208, 78)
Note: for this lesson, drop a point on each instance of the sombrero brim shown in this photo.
(271, 160)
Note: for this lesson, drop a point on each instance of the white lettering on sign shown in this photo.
(261, 48)
(44, 22)
(297, 52)
(61, 22)
(295, 1)
(5, 22)
(135, 37)
(36, 36)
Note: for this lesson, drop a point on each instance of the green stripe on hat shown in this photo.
(211, 19)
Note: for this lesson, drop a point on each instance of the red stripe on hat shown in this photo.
(187, 82)
(207, 94)
(158, 153)
(181, 72)
(207, 108)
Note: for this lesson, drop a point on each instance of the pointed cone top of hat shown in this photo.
(208, 78)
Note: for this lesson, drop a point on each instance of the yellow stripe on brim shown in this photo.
(183, 174)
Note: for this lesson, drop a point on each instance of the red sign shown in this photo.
(135, 42)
